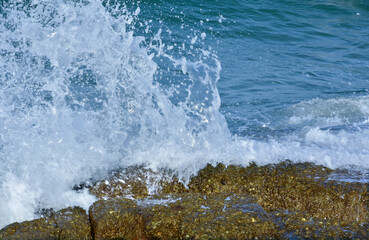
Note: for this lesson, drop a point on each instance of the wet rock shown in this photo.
(224, 217)
(193, 216)
(283, 201)
(69, 223)
(116, 219)
(125, 183)
(73, 223)
(302, 188)
(37, 229)
(135, 182)
(300, 225)
(162, 221)
(294, 187)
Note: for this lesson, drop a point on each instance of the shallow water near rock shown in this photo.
(92, 87)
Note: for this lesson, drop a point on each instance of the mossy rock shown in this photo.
(295, 187)
(116, 219)
(135, 181)
(162, 221)
(130, 182)
(302, 187)
(70, 223)
(224, 216)
(37, 229)
(282, 201)
(302, 226)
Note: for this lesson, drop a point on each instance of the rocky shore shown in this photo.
(283, 201)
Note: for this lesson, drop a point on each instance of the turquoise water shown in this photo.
(277, 54)
(87, 87)
(290, 52)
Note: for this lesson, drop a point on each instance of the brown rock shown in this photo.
(225, 217)
(295, 187)
(301, 225)
(135, 181)
(37, 229)
(197, 216)
(116, 219)
(70, 223)
(162, 221)
(183, 216)
(275, 201)
(73, 223)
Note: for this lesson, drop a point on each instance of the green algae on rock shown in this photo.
(70, 223)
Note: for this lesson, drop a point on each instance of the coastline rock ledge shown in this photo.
(279, 201)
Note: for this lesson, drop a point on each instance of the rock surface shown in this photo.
(37, 229)
(69, 223)
(189, 216)
(293, 187)
(283, 201)
(116, 219)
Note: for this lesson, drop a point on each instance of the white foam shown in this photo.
(80, 100)
(330, 112)
(331, 149)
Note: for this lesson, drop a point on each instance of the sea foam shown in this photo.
(79, 98)
(82, 93)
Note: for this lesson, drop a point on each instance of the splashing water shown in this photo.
(78, 98)
(87, 87)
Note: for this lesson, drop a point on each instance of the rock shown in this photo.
(73, 223)
(221, 216)
(285, 201)
(299, 225)
(185, 216)
(135, 181)
(294, 187)
(116, 219)
(70, 223)
(41, 228)
(303, 192)
(162, 221)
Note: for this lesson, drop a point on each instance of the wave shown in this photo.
(83, 92)
(330, 112)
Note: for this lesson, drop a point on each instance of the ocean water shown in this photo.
(90, 86)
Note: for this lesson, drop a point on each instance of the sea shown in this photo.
(91, 86)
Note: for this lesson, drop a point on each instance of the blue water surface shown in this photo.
(275, 54)
(91, 86)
